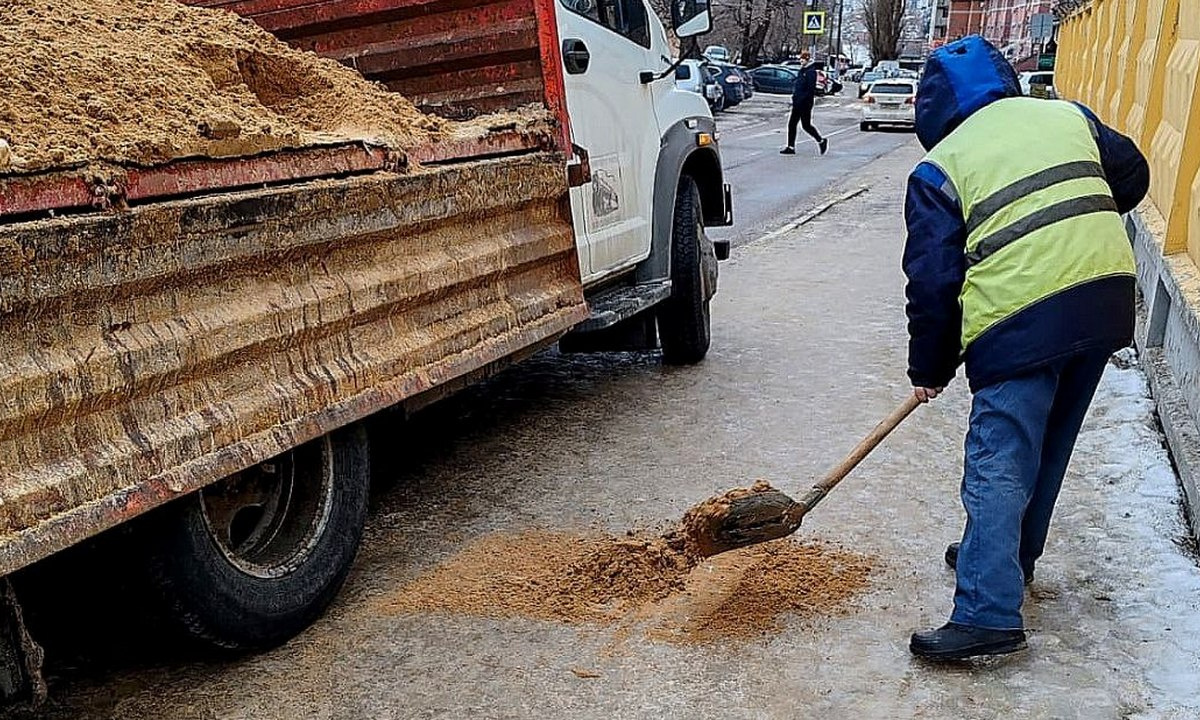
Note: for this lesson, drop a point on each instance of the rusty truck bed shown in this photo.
(151, 351)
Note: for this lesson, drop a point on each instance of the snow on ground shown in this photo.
(1158, 608)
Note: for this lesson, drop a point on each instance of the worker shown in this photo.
(804, 96)
(1018, 267)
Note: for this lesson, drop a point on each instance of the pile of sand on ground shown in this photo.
(648, 580)
(147, 81)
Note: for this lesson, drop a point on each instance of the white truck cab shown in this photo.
(652, 163)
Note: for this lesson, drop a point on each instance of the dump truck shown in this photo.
(197, 343)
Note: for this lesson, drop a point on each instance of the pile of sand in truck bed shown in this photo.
(653, 581)
(146, 81)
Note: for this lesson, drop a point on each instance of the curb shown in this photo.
(1161, 303)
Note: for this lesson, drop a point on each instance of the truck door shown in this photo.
(606, 45)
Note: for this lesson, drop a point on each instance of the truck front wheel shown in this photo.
(684, 318)
(248, 562)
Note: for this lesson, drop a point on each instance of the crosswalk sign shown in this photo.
(814, 23)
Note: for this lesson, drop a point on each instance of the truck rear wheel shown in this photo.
(684, 319)
(250, 561)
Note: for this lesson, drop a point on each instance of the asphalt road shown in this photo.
(769, 189)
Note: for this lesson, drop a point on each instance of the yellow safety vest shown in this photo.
(1040, 215)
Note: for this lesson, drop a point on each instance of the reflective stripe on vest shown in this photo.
(1040, 216)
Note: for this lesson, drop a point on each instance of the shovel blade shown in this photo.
(739, 522)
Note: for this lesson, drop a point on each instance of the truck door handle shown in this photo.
(576, 56)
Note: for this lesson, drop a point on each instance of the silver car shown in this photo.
(889, 102)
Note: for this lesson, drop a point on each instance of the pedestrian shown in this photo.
(804, 95)
(1018, 267)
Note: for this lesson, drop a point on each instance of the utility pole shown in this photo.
(841, 4)
(813, 5)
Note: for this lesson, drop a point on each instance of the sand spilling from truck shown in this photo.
(653, 581)
(147, 81)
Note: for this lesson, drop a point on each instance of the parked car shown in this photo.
(775, 79)
(890, 68)
(827, 83)
(890, 102)
(730, 81)
(867, 80)
(717, 53)
(693, 76)
(748, 87)
(1038, 84)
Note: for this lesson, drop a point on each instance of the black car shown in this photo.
(731, 83)
(776, 79)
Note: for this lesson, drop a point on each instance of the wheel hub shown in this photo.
(267, 518)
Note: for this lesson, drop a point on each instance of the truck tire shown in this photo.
(249, 562)
(684, 320)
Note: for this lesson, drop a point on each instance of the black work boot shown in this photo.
(952, 560)
(959, 642)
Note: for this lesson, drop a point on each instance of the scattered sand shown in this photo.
(650, 581)
(747, 593)
(146, 81)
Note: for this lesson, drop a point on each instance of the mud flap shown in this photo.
(20, 657)
(709, 255)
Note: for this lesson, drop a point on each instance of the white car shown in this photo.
(717, 53)
(889, 102)
(693, 76)
(1038, 84)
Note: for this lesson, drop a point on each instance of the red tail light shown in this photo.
(869, 99)
(911, 101)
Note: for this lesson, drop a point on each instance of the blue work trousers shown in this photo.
(1018, 445)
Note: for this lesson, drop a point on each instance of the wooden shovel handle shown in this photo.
(869, 443)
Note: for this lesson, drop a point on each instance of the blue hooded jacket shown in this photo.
(961, 78)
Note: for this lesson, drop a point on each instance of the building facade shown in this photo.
(954, 19)
(1006, 24)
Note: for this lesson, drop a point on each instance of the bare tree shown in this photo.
(754, 20)
(753, 30)
(885, 22)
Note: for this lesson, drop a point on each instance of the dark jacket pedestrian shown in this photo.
(804, 96)
(1019, 267)
(805, 89)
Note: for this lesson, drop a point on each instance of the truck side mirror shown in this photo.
(691, 17)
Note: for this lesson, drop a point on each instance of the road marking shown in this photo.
(763, 134)
(810, 215)
(776, 131)
(760, 153)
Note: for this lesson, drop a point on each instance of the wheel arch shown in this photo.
(680, 154)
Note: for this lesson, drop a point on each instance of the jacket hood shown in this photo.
(960, 78)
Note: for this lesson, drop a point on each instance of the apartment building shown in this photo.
(953, 19)
(1006, 24)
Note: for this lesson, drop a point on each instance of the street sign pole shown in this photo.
(814, 25)
(841, 4)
